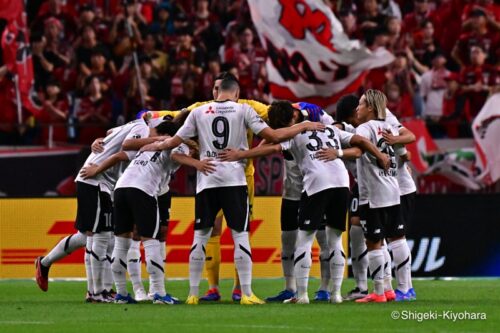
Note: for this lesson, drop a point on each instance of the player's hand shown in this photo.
(206, 166)
(389, 138)
(155, 146)
(327, 154)
(311, 126)
(97, 146)
(230, 155)
(89, 171)
(384, 162)
(314, 111)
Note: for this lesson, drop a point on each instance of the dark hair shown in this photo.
(346, 107)
(226, 75)
(168, 127)
(280, 114)
(228, 84)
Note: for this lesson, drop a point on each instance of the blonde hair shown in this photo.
(377, 100)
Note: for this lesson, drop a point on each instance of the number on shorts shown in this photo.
(354, 205)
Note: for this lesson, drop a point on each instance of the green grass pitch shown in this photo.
(24, 308)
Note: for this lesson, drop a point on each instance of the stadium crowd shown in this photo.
(447, 60)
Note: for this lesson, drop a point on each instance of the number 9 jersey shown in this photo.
(220, 125)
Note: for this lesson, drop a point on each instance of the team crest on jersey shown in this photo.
(210, 110)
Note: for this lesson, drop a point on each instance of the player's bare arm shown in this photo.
(92, 170)
(204, 166)
(383, 159)
(330, 154)
(285, 133)
(405, 136)
(137, 144)
(231, 155)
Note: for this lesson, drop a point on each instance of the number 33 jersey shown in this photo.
(319, 175)
(220, 125)
(377, 187)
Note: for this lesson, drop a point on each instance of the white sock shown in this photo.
(154, 265)
(163, 251)
(303, 260)
(134, 266)
(336, 257)
(66, 246)
(197, 259)
(88, 265)
(108, 275)
(376, 261)
(288, 240)
(243, 260)
(402, 263)
(359, 257)
(324, 264)
(119, 264)
(99, 248)
(387, 268)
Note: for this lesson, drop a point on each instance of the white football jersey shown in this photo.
(112, 144)
(221, 125)
(319, 175)
(292, 177)
(405, 180)
(377, 186)
(149, 171)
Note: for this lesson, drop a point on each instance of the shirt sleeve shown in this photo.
(138, 132)
(392, 120)
(253, 120)
(181, 149)
(188, 130)
(286, 145)
(259, 107)
(363, 131)
(326, 119)
(345, 137)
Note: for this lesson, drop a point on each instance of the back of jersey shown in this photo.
(112, 144)
(221, 125)
(319, 175)
(378, 186)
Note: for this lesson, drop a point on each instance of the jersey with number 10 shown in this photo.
(220, 125)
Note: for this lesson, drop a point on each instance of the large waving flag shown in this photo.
(486, 129)
(17, 53)
(310, 58)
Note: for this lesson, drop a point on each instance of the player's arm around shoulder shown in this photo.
(367, 146)
(231, 154)
(286, 133)
(92, 170)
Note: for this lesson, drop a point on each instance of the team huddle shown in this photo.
(352, 167)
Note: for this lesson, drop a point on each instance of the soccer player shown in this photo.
(93, 220)
(378, 192)
(346, 120)
(311, 112)
(135, 199)
(292, 191)
(326, 184)
(218, 125)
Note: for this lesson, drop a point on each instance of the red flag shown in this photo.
(18, 59)
(10, 9)
(423, 146)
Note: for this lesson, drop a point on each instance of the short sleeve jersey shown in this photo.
(112, 144)
(220, 125)
(319, 175)
(377, 187)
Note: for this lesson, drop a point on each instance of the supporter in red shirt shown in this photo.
(400, 105)
(55, 113)
(247, 58)
(64, 13)
(491, 9)
(176, 83)
(423, 44)
(413, 21)
(479, 36)
(209, 76)
(477, 80)
(186, 50)
(93, 112)
(348, 20)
